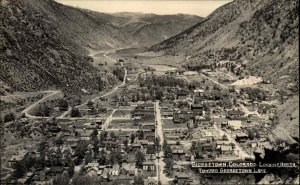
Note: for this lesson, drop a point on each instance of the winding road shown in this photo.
(52, 93)
(27, 109)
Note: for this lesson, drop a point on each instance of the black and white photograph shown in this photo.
(149, 92)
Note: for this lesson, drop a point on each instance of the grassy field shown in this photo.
(123, 113)
(116, 124)
(169, 124)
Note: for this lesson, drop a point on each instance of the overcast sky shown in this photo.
(195, 7)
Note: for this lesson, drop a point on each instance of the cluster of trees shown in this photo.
(43, 110)
(75, 112)
(119, 73)
(255, 93)
(197, 149)
(63, 105)
(167, 150)
(9, 117)
(161, 81)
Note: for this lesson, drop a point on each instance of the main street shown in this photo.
(161, 176)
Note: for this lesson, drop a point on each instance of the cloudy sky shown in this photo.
(195, 7)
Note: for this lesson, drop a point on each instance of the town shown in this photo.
(149, 129)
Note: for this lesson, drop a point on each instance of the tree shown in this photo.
(75, 112)
(89, 157)
(112, 135)
(102, 157)
(63, 105)
(138, 180)
(140, 134)
(43, 110)
(132, 138)
(169, 164)
(140, 158)
(20, 169)
(71, 169)
(80, 150)
(9, 117)
(167, 150)
(156, 142)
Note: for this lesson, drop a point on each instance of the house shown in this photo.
(226, 150)
(224, 124)
(94, 171)
(267, 109)
(136, 146)
(168, 114)
(149, 126)
(254, 144)
(115, 170)
(182, 179)
(241, 137)
(86, 135)
(178, 153)
(182, 96)
(149, 166)
(72, 142)
(110, 144)
(182, 117)
(150, 136)
(198, 92)
(16, 157)
(189, 157)
(235, 124)
(219, 144)
(143, 113)
(128, 169)
(151, 151)
(235, 114)
(145, 106)
(198, 109)
(200, 120)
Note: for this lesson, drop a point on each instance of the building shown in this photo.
(182, 96)
(267, 109)
(198, 92)
(149, 166)
(198, 109)
(182, 179)
(235, 114)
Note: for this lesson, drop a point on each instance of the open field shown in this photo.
(126, 123)
(123, 113)
(169, 124)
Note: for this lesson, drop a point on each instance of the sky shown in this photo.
(195, 7)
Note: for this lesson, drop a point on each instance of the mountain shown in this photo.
(41, 47)
(261, 33)
(46, 44)
(149, 29)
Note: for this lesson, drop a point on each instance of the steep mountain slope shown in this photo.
(37, 54)
(263, 33)
(87, 28)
